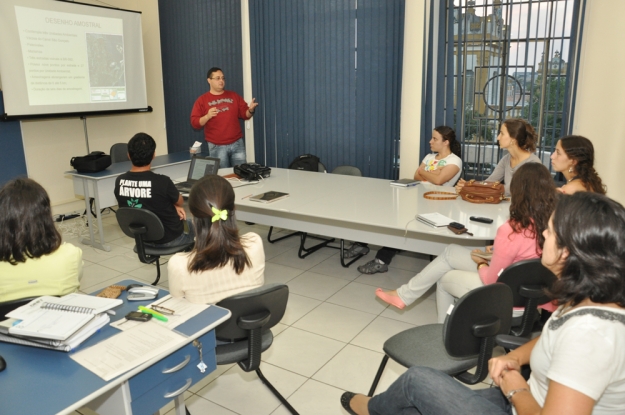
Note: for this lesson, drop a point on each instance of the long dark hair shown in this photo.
(26, 226)
(580, 149)
(216, 243)
(533, 198)
(449, 135)
(591, 227)
(523, 132)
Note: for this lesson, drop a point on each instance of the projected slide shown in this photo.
(71, 58)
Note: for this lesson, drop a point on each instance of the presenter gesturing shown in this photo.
(218, 111)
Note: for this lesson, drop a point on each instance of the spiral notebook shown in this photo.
(57, 318)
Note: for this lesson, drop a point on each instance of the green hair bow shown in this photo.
(219, 214)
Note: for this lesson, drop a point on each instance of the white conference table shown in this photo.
(365, 210)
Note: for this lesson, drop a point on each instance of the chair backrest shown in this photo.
(8, 306)
(135, 221)
(119, 152)
(530, 273)
(483, 312)
(271, 298)
(347, 171)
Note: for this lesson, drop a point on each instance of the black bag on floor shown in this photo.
(91, 163)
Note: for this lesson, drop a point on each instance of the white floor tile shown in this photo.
(315, 398)
(297, 307)
(97, 255)
(95, 276)
(276, 273)
(323, 321)
(422, 311)
(389, 280)
(122, 263)
(301, 352)
(380, 330)
(317, 286)
(291, 259)
(359, 297)
(332, 267)
(198, 405)
(244, 393)
(352, 369)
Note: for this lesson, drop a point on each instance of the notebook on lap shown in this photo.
(199, 167)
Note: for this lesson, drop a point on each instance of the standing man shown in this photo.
(141, 188)
(218, 111)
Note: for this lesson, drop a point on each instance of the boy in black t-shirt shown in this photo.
(143, 189)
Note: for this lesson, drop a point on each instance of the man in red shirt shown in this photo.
(218, 111)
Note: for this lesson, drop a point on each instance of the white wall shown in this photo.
(600, 103)
(50, 144)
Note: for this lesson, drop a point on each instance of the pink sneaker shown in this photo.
(393, 300)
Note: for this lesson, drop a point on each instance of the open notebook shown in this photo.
(57, 318)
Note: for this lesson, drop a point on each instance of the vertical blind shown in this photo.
(195, 36)
(327, 75)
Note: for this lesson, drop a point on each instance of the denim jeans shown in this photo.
(454, 257)
(230, 154)
(425, 391)
(183, 239)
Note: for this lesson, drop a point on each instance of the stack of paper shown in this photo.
(434, 219)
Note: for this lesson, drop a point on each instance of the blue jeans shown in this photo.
(230, 154)
(425, 391)
(183, 239)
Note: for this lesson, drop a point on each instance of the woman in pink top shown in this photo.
(533, 199)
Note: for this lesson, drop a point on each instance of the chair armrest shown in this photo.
(510, 342)
(254, 321)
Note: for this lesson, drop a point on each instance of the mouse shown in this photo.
(3, 364)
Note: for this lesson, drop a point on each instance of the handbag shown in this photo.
(473, 191)
(91, 163)
(482, 192)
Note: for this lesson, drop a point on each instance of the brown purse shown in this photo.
(482, 192)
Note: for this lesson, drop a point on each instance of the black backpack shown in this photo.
(306, 162)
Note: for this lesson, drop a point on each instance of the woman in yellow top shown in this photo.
(33, 259)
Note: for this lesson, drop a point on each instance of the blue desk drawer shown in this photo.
(174, 386)
(175, 364)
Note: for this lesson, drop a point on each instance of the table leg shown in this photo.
(91, 241)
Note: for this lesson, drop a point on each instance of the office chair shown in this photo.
(145, 226)
(528, 280)
(119, 152)
(303, 251)
(246, 335)
(464, 341)
(7, 306)
(347, 171)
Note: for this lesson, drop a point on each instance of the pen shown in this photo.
(156, 315)
(245, 197)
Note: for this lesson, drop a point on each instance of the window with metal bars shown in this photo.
(504, 59)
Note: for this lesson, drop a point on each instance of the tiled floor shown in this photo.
(330, 339)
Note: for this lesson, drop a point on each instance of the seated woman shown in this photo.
(442, 167)
(574, 157)
(533, 200)
(33, 259)
(222, 263)
(518, 137)
(577, 363)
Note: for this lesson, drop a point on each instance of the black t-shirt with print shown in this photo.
(154, 192)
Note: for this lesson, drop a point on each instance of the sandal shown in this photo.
(393, 300)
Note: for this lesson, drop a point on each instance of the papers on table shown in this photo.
(405, 182)
(127, 350)
(434, 219)
(183, 311)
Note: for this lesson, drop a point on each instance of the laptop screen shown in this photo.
(200, 167)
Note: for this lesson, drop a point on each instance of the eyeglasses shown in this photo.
(217, 78)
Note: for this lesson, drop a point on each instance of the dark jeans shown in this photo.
(425, 391)
(183, 239)
(386, 254)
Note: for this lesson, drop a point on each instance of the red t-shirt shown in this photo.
(224, 128)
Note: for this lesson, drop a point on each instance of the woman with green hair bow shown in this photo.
(222, 263)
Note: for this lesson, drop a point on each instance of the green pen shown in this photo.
(156, 315)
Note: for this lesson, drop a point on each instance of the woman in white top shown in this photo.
(578, 364)
(443, 166)
(222, 263)
(518, 137)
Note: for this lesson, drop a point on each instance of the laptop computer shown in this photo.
(199, 167)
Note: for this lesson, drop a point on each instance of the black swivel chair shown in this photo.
(247, 334)
(464, 341)
(8, 306)
(528, 280)
(119, 152)
(145, 226)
